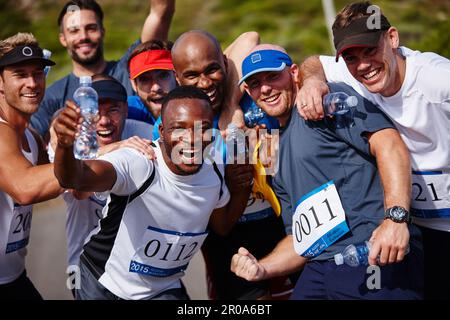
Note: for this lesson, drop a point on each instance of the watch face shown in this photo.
(398, 213)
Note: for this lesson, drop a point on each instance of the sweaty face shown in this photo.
(375, 67)
(274, 92)
(112, 120)
(153, 86)
(203, 66)
(82, 35)
(23, 86)
(184, 134)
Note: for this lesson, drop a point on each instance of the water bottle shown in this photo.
(338, 103)
(86, 98)
(47, 55)
(253, 115)
(355, 255)
(235, 145)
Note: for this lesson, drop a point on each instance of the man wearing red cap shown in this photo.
(411, 87)
(152, 77)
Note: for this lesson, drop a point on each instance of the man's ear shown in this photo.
(225, 62)
(62, 39)
(161, 131)
(393, 37)
(134, 85)
(2, 89)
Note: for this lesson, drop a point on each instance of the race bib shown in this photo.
(430, 194)
(19, 231)
(165, 252)
(319, 221)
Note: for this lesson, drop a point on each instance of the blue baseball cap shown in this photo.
(264, 60)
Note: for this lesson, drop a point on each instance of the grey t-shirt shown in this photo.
(314, 153)
(63, 89)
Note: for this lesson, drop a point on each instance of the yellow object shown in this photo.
(260, 185)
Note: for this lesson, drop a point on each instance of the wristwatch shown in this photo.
(398, 214)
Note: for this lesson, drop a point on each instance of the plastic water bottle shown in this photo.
(47, 55)
(355, 255)
(86, 98)
(253, 115)
(235, 144)
(338, 103)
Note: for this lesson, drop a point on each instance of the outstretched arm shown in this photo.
(91, 175)
(235, 54)
(283, 260)
(390, 239)
(157, 24)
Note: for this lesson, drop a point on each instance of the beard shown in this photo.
(90, 60)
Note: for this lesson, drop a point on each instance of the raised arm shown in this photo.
(91, 175)
(157, 24)
(25, 183)
(391, 239)
(238, 179)
(312, 88)
(283, 260)
(235, 53)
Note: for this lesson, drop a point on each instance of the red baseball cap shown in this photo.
(150, 60)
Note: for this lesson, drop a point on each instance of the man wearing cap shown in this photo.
(26, 176)
(114, 131)
(152, 77)
(333, 183)
(82, 33)
(411, 87)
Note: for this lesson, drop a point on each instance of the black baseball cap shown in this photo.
(361, 32)
(25, 53)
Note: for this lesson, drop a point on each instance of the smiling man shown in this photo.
(26, 176)
(158, 212)
(82, 33)
(412, 88)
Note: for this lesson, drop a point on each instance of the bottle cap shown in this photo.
(339, 259)
(85, 80)
(352, 101)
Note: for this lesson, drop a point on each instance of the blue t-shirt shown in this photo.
(63, 89)
(313, 153)
(138, 111)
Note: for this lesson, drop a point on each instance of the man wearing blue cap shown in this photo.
(26, 176)
(334, 183)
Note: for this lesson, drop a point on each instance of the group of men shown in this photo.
(138, 213)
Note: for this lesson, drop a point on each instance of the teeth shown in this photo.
(104, 132)
(371, 74)
(30, 95)
(211, 93)
(272, 98)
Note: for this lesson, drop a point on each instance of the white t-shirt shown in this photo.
(15, 225)
(83, 215)
(144, 243)
(421, 112)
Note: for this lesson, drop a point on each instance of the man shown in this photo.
(152, 77)
(331, 182)
(114, 131)
(82, 33)
(199, 61)
(26, 178)
(412, 89)
(146, 239)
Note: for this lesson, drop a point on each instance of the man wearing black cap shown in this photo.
(26, 178)
(411, 87)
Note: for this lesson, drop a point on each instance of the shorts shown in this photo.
(20, 289)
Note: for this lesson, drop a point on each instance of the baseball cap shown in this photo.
(23, 54)
(262, 61)
(150, 60)
(110, 89)
(361, 32)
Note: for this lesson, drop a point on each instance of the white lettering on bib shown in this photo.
(165, 252)
(19, 231)
(319, 221)
(430, 194)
